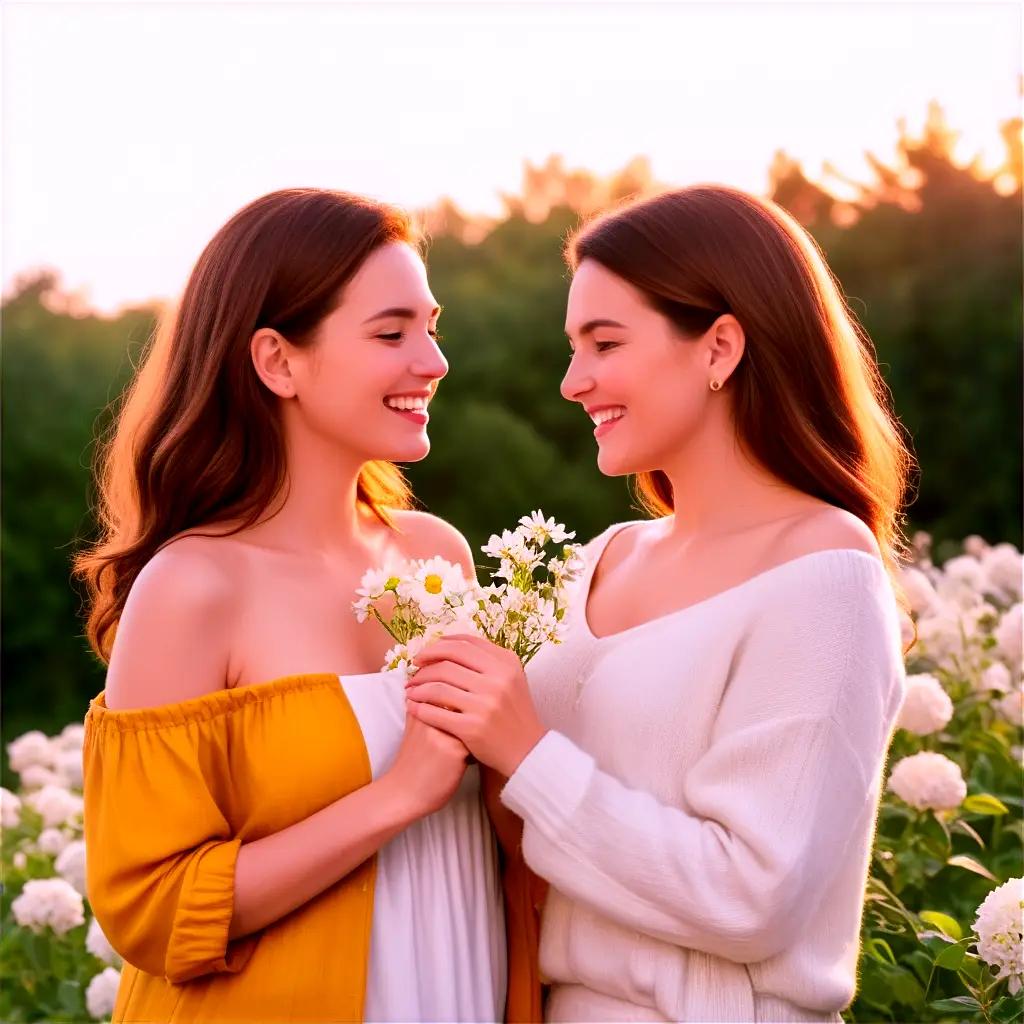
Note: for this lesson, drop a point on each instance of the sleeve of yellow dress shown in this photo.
(160, 862)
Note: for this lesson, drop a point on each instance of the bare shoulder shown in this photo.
(824, 528)
(426, 535)
(173, 638)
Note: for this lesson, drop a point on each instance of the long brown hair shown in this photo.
(808, 399)
(197, 438)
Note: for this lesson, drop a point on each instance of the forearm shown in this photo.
(282, 871)
(508, 826)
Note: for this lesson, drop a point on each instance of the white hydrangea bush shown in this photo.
(941, 936)
(942, 925)
(55, 962)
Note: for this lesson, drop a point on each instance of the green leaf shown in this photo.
(69, 995)
(943, 922)
(951, 958)
(984, 803)
(905, 987)
(961, 860)
(958, 1004)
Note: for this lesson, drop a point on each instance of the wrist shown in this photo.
(398, 800)
(518, 754)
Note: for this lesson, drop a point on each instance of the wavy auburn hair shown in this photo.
(808, 399)
(198, 438)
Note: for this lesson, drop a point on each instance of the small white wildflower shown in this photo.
(433, 584)
(1000, 930)
(928, 780)
(926, 707)
(49, 902)
(70, 864)
(56, 805)
(98, 944)
(10, 809)
(19, 860)
(541, 530)
(101, 994)
(30, 748)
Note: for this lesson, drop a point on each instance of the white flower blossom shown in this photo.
(101, 994)
(36, 776)
(10, 809)
(433, 584)
(541, 530)
(1002, 567)
(975, 545)
(1008, 636)
(53, 840)
(71, 737)
(49, 902)
(919, 590)
(98, 944)
(19, 860)
(928, 780)
(56, 805)
(30, 748)
(70, 864)
(927, 707)
(69, 766)
(995, 677)
(1000, 930)
(1011, 707)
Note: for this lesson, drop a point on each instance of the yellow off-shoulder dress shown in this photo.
(172, 792)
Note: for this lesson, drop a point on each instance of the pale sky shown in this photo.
(132, 131)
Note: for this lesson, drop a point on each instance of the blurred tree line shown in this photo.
(929, 256)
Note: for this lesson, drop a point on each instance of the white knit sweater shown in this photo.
(705, 801)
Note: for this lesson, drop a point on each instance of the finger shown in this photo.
(451, 722)
(447, 672)
(456, 649)
(442, 695)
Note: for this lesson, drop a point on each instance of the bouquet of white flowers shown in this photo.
(430, 598)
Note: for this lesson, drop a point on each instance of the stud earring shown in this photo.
(716, 385)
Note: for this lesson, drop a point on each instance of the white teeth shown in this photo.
(406, 402)
(604, 415)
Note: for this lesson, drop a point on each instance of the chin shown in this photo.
(411, 451)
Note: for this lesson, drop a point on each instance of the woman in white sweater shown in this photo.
(698, 765)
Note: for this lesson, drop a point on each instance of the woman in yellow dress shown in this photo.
(269, 837)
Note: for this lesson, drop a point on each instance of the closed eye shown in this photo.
(603, 346)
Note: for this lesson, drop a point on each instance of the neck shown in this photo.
(316, 512)
(720, 488)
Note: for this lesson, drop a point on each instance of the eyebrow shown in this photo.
(593, 325)
(400, 313)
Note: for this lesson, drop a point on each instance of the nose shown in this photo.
(430, 361)
(577, 381)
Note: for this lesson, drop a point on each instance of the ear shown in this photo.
(269, 351)
(725, 346)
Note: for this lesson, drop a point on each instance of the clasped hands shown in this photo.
(477, 692)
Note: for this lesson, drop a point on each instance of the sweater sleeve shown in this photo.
(789, 778)
(161, 857)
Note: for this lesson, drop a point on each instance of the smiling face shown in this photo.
(373, 366)
(644, 386)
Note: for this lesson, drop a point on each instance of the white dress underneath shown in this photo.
(437, 945)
